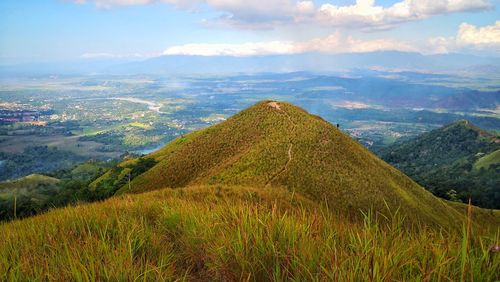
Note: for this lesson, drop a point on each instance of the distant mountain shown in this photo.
(315, 62)
(60, 68)
(457, 161)
(469, 100)
(276, 144)
(487, 70)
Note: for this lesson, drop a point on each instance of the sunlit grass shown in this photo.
(286, 147)
(222, 233)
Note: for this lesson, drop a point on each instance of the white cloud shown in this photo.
(255, 9)
(270, 13)
(335, 43)
(479, 36)
(305, 8)
(469, 37)
(365, 13)
(245, 49)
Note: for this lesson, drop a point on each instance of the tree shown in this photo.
(452, 196)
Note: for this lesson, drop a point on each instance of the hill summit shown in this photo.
(276, 144)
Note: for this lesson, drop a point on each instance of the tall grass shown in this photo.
(207, 233)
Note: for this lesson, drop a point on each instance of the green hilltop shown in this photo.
(488, 160)
(28, 183)
(36, 193)
(277, 144)
(456, 162)
(30, 191)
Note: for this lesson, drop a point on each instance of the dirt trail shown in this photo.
(274, 105)
(290, 146)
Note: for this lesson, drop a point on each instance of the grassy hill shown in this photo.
(27, 185)
(275, 144)
(37, 193)
(485, 162)
(221, 233)
(457, 161)
(273, 193)
(29, 182)
(31, 190)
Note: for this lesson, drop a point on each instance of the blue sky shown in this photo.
(48, 30)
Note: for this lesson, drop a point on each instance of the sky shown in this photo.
(52, 30)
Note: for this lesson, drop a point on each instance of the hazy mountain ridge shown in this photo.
(317, 62)
(306, 62)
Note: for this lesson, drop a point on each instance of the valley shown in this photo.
(104, 117)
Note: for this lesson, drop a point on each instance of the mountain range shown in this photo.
(317, 62)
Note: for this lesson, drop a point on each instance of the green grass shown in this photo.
(235, 233)
(23, 196)
(140, 125)
(287, 147)
(28, 183)
(32, 186)
(488, 160)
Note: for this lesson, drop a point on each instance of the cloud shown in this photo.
(271, 13)
(366, 14)
(469, 37)
(334, 43)
(238, 50)
(479, 36)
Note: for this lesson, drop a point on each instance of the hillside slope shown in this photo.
(29, 182)
(207, 233)
(279, 145)
(36, 193)
(456, 161)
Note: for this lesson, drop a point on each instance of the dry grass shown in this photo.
(287, 147)
(224, 233)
